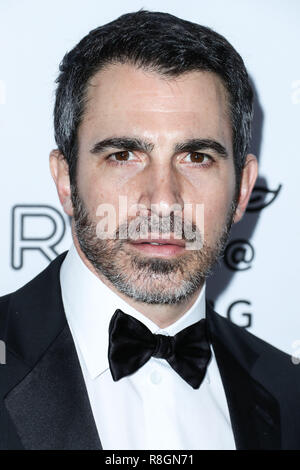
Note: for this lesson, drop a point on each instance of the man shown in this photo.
(113, 345)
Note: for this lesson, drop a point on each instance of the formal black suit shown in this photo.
(44, 402)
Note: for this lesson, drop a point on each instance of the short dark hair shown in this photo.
(164, 44)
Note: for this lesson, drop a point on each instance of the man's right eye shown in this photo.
(119, 157)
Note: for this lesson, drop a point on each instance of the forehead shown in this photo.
(136, 100)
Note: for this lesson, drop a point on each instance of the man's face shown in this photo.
(126, 102)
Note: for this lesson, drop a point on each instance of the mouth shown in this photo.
(163, 247)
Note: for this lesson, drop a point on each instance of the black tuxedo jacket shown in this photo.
(43, 398)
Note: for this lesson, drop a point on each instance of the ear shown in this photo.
(249, 176)
(60, 173)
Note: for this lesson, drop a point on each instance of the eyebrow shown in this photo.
(134, 143)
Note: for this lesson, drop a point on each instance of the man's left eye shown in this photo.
(199, 157)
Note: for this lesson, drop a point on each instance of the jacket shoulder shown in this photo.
(31, 304)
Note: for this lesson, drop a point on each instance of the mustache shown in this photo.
(144, 226)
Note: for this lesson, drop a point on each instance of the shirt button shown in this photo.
(155, 377)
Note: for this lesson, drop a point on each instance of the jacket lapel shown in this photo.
(49, 406)
(254, 411)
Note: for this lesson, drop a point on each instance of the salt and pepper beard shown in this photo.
(151, 280)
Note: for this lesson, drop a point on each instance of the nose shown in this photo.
(161, 190)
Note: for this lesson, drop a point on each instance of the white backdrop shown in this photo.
(257, 284)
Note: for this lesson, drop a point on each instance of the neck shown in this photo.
(163, 315)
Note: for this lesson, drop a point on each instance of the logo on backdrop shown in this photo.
(35, 227)
(237, 315)
(262, 197)
(239, 255)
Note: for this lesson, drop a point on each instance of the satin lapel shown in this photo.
(47, 399)
(50, 407)
(254, 411)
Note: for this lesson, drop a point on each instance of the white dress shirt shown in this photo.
(154, 408)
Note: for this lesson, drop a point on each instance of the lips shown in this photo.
(159, 241)
(159, 247)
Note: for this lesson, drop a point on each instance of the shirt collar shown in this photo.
(89, 305)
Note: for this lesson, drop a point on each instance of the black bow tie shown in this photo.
(131, 344)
